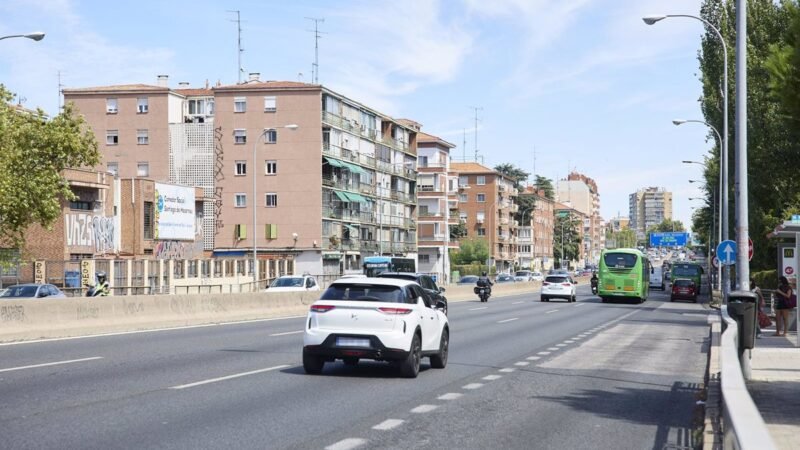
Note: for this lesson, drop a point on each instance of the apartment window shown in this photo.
(423, 162)
(239, 136)
(270, 104)
(198, 107)
(270, 167)
(272, 200)
(142, 137)
(462, 197)
(111, 106)
(239, 104)
(148, 214)
(142, 105)
(113, 167)
(480, 198)
(481, 179)
(241, 167)
(270, 136)
(463, 180)
(481, 231)
(462, 216)
(240, 200)
(424, 259)
(142, 169)
(481, 216)
(112, 137)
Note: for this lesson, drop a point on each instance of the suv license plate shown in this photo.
(351, 342)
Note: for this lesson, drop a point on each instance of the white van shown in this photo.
(656, 278)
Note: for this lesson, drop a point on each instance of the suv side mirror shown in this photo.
(441, 305)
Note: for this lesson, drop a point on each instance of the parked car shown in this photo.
(293, 283)
(559, 286)
(32, 290)
(426, 281)
(504, 278)
(468, 279)
(382, 319)
(683, 289)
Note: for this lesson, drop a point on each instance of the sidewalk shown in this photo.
(775, 386)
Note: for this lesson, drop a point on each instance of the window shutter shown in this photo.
(271, 231)
(240, 230)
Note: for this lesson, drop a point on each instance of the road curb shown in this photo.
(712, 430)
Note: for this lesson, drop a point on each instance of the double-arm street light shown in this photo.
(650, 20)
(255, 197)
(37, 36)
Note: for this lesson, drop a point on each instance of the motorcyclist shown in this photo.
(594, 281)
(101, 287)
(484, 282)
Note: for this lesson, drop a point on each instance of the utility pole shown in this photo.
(476, 108)
(59, 92)
(464, 147)
(317, 35)
(742, 227)
(239, 42)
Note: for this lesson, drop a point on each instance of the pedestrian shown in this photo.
(783, 297)
(760, 301)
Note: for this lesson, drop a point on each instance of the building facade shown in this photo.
(486, 206)
(579, 219)
(582, 194)
(649, 207)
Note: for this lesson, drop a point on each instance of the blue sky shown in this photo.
(584, 84)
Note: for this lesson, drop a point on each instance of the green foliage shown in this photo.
(471, 251)
(667, 225)
(621, 239)
(526, 203)
(545, 184)
(570, 227)
(766, 279)
(513, 172)
(473, 269)
(34, 152)
(458, 231)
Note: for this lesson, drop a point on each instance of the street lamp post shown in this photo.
(650, 20)
(721, 273)
(37, 36)
(255, 199)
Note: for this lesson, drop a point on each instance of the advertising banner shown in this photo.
(174, 212)
(669, 239)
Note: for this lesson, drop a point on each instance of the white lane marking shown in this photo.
(543, 353)
(561, 345)
(521, 363)
(533, 358)
(347, 444)
(507, 370)
(284, 334)
(473, 386)
(492, 377)
(450, 396)
(388, 424)
(569, 341)
(551, 311)
(579, 304)
(508, 320)
(230, 377)
(421, 409)
(476, 309)
(154, 330)
(582, 335)
(56, 363)
(516, 303)
(552, 349)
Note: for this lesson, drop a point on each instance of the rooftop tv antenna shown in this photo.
(317, 34)
(60, 86)
(239, 42)
(476, 108)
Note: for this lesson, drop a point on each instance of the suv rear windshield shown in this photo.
(523, 273)
(556, 279)
(363, 292)
(683, 282)
(620, 260)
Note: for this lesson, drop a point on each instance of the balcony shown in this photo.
(504, 221)
(425, 214)
(439, 237)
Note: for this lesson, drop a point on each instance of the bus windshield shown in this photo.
(620, 260)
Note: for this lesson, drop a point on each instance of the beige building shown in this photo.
(486, 206)
(649, 207)
(535, 234)
(437, 200)
(579, 218)
(581, 193)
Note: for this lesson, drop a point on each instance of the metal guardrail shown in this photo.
(744, 428)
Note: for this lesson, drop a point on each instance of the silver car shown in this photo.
(32, 290)
(559, 286)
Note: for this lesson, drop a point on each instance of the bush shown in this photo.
(766, 279)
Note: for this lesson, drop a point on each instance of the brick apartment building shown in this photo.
(581, 193)
(580, 219)
(535, 234)
(486, 206)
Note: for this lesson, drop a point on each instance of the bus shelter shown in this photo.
(788, 253)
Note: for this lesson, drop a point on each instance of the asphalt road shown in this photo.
(521, 374)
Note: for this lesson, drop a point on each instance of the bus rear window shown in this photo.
(686, 270)
(620, 260)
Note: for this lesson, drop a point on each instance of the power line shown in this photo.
(317, 35)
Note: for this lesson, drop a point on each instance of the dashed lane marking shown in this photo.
(347, 444)
(508, 320)
(533, 358)
(473, 386)
(450, 396)
(561, 345)
(507, 370)
(522, 363)
(286, 333)
(579, 304)
(543, 353)
(421, 409)
(551, 311)
(388, 424)
(229, 377)
(569, 341)
(492, 377)
(476, 309)
(56, 363)
(552, 349)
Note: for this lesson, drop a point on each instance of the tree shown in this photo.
(621, 239)
(513, 172)
(667, 225)
(458, 231)
(526, 203)
(34, 152)
(569, 226)
(545, 184)
(471, 251)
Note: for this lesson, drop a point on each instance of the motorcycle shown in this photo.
(594, 287)
(95, 290)
(483, 293)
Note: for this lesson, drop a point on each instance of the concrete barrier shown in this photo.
(78, 316)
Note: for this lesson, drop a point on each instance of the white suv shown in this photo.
(559, 286)
(383, 319)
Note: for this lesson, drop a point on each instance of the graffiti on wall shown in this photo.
(89, 230)
(219, 176)
(183, 249)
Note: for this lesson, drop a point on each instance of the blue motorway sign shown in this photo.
(726, 252)
(676, 239)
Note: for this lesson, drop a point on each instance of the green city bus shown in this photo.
(624, 274)
(687, 270)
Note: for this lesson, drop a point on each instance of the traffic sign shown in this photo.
(715, 262)
(749, 249)
(726, 252)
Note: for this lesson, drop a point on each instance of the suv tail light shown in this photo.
(321, 308)
(395, 311)
(566, 284)
(545, 283)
